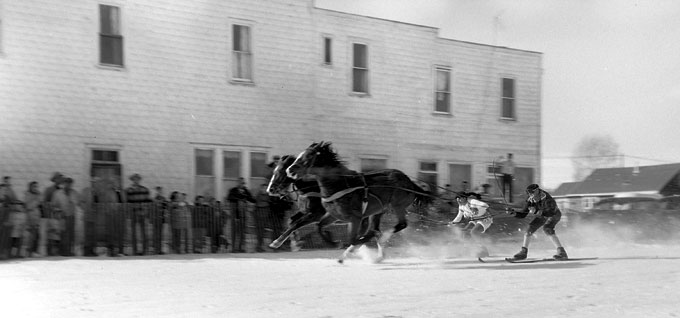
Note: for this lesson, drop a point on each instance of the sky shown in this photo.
(611, 67)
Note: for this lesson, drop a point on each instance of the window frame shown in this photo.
(101, 36)
(512, 99)
(236, 62)
(365, 69)
(424, 172)
(449, 71)
(376, 158)
(223, 183)
(327, 50)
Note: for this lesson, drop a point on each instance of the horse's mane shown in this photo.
(326, 155)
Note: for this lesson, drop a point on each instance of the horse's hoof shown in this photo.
(275, 244)
(340, 261)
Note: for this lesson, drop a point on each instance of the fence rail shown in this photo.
(150, 228)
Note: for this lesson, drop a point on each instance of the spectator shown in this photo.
(53, 223)
(32, 204)
(238, 197)
(88, 199)
(507, 172)
(7, 199)
(216, 226)
(65, 201)
(138, 198)
(261, 215)
(180, 222)
(199, 222)
(110, 198)
(158, 219)
(18, 226)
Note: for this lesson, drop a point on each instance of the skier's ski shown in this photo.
(538, 260)
(491, 260)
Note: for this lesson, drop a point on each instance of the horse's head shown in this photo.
(316, 155)
(280, 181)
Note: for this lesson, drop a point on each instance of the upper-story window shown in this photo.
(360, 68)
(442, 90)
(110, 38)
(242, 61)
(327, 50)
(508, 98)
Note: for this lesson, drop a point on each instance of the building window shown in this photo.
(258, 169)
(360, 68)
(110, 38)
(242, 62)
(428, 174)
(105, 165)
(231, 165)
(442, 90)
(368, 165)
(327, 51)
(508, 98)
(588, 203)
(205, 174)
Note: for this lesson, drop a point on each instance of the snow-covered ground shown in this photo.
(433, 280)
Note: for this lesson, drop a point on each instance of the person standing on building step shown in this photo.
(139, 198)
(546, 214)
(508, 173)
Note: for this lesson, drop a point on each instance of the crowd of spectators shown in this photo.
(103, 218)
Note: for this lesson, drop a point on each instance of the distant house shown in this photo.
(620, 188)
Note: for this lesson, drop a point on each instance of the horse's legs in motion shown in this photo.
(354, 225)
(296, 224)
(370, 228)
(326, 235)
(401, 224)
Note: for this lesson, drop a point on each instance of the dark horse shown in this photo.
(359, 196)
(309, 194)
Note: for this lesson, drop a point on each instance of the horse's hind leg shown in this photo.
(326, 235)
(401, 224)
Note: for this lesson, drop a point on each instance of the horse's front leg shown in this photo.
(298, 223)
(353, 232)
(347, 253)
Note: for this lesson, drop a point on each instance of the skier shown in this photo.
(471, 208)
(546, 214)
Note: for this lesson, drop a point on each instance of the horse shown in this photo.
(359, 196)
(307, 189)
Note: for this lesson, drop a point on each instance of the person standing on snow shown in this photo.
(546, 215)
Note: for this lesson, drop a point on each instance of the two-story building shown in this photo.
(193, 95)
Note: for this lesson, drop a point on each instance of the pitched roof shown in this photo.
(627, 179)
(565, 189)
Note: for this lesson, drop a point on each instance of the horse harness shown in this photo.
(342, 193)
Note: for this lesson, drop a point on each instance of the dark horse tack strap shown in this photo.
(344, 192)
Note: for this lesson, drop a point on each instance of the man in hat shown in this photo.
(138, 198)
(546, 214)
(64, 202)
(52, 220)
